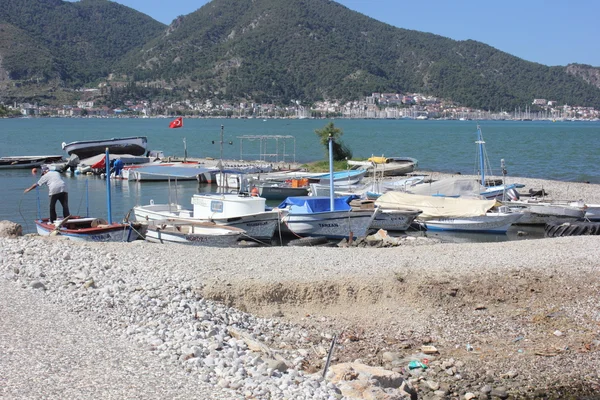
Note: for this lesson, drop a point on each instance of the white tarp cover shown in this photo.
(436, 207)
(449, 187)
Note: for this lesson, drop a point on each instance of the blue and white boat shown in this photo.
(452, 213)
(313, 216)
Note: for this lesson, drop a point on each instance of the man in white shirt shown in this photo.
(57, 190)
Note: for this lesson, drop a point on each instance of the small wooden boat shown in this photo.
(229, 209)
(539, 212)
(387, 166)
(87, 229)
(313, 216)
(394, 219)
(135, 146)
(281, 190)
(192, 233)
(27, 161)
(491, 222)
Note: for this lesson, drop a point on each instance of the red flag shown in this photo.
(176, 123)
(100, 164)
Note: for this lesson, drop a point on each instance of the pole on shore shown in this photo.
(331, 202)
(108, 199)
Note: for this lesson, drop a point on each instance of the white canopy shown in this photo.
(434, 206)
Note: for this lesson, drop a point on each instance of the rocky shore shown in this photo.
(451, 320)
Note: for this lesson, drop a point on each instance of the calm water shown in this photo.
(567, 151)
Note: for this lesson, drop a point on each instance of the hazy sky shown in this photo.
(550, 32)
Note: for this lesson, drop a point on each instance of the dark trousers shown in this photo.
(63, 198)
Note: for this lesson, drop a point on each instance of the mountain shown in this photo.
(65, 43)
(586, 72)
(268, 51)
(272, 50)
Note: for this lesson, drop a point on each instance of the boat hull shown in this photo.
(260, 226)
(394, 220)
(27, 161)
(331, 224)
(192, 233)
(546, 213)
(81, 229)
(489, 223)
(274, 192)
(88, 148)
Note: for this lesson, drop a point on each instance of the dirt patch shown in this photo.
(516, 322)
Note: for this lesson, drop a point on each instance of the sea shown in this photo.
(562, 150)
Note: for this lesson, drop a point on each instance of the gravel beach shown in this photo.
(517, 319)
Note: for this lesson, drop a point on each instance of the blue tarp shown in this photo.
(340, 175)
(316, 204)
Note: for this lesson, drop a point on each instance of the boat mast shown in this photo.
(108, 200)
(331, 202)
(480, 142)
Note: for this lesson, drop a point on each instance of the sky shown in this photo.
(549, 32)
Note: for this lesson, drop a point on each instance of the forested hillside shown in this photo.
(266, 51)
(75, 42)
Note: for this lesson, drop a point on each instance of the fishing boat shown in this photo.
(168, 172)
(452, 213)
(491, 188)
(321, 216)
(395, 219)
(272, 190)
(27, 161)
(349, 177)
(88, 148)
(541, 212)
(229, 209)
(192, 233)
(490, 222)
(387, 166)
(87, 229)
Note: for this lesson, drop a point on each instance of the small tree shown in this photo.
(340, 150)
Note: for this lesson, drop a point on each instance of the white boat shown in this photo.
(88, 148)
(166, 172)
(404, 184)
(27, 161)
(538, 212)
(192, 233)
(592, 212)
(313, 216)
(387, 166)
(228, 209)
(452, 213)
(394, 219)
(490, 222)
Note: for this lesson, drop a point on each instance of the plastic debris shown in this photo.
(416, 364)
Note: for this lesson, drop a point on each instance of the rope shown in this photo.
(20, 213)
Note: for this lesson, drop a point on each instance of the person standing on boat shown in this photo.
(57, 190)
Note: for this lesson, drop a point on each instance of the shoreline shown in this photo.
(515, 319)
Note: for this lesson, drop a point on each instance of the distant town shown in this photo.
(376, 106)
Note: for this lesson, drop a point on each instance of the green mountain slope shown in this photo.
(264, 51)
(270, 50)
(77, 42)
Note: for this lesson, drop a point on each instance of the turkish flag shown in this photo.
(176, 123)
(100, 164)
